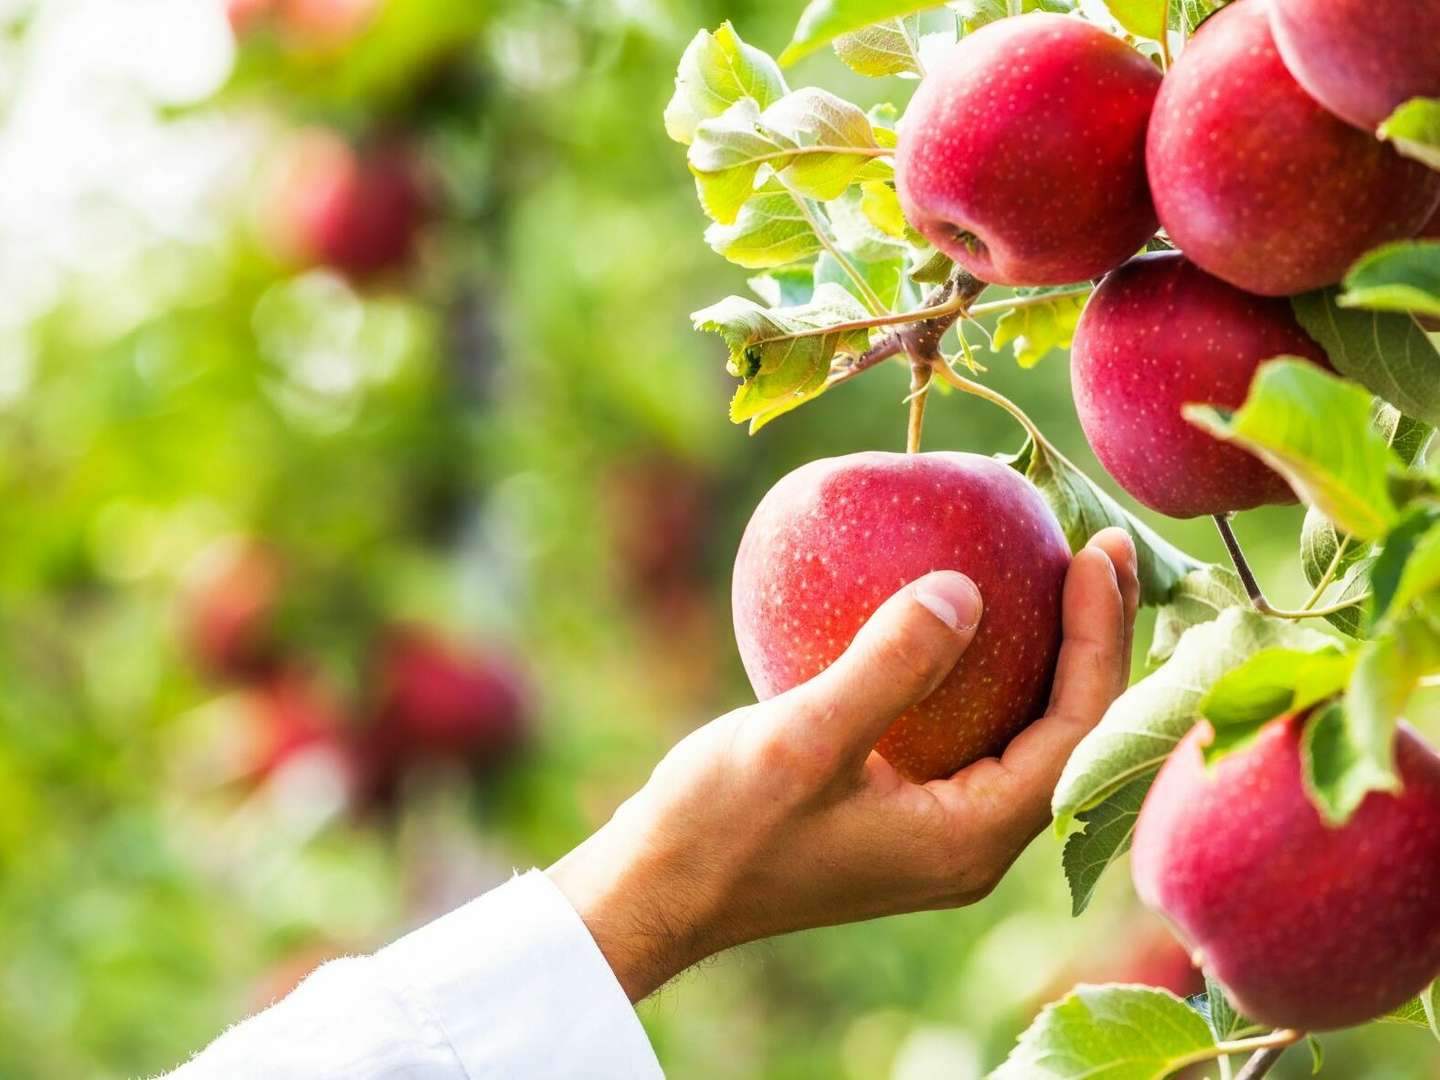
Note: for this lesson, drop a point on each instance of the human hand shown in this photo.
(779, 816)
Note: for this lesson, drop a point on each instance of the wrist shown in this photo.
(646, 909)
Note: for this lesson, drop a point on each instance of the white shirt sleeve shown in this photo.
(510, 985)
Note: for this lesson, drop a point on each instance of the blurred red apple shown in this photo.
(292, 713)
(228, 608)
(356, 211)
(1361, 59)
(438, 698)
(1158, 334)
(1279, 903)
(303, 23)
(835, 538)
(1022, 154)
(1256, 182)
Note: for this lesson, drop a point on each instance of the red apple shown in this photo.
(1256, 182)
(1021, 155)
(358, 212)
(245, 15)
(1160, 333)
(835, 538)
(292, 713)
(439, 698)
(228, 608)
(1307, 926)
(1361, 59)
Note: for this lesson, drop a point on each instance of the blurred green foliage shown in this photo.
(502, 444)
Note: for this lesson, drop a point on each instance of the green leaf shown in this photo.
(1341, 764)
(1036, 329)
(934, 270)
(1320, 548)
(717, 70)
(1084, 509)
(1419, 1011)
(813, 119)
(1143, 18)
(1386, 353)
(771, 230)
(1143, 725)
(1315, 430)
(881, 207)
(1199, 597)
(1350, 750)
(1414, 128)
(1317, 1054)
(1268, 684)
(977, 13)
(727, 154)
(779, 371)
(785, 286)
(1354, 586)
(1397, 277)
(1225, 1020)
(1408, 565)
(887, 48)
(823, 21)
(1108, 829)
(886, 277)
(1109, 1032)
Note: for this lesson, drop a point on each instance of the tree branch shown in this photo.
(952, 298)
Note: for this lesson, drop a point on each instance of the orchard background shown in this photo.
(511, 442)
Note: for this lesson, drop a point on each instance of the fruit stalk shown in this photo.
(1257, 595)
(1261, 1063)
(920, 375)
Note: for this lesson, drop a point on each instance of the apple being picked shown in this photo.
(1158, 334)
(1308, 927)
(835, 538)
(1361, 59)
(1022, 154)
(1256, 182)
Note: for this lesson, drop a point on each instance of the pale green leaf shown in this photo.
(1386, 353)
(823, 21)
(1419, 1011)
(977, 13)
(1403, 277)
(1314, 429)
(1143, 18)
(1036, 329)
(1270, 683)
(1109, 1033)
(822, 125)
(770, 230)
(1199, 597)
(717, 70)
(1414, 128)
(881, 207)
(1144, 724)
(727, 155)
(887, 48)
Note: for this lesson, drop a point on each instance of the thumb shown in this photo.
(897, 659)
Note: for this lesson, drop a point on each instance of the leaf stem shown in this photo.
(822, 234)
(1242, 565)
(1329, 575)
(1276, 1040)
(1012, 303)
(1261, 1063)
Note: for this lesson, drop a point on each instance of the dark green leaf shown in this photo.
(1386, 353)
(1268, 684)
(1341, 760)
(1408, 564)
(1106, 836)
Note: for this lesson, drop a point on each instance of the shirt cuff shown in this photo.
(514, 976)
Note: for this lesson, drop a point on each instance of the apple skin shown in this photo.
(835, 538)
(1021, 155)
(229, 604)
(1308, 927)
(1160, 333)
(1361, 59)
(1256, 182)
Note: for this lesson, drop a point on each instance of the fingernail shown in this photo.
(951, 597)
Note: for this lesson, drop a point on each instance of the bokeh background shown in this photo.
(366, 514)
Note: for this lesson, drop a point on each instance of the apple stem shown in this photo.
(1242, 566)
(920, 374)
(980, 390)
(1257, 595)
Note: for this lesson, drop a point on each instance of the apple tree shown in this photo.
(1231, 212)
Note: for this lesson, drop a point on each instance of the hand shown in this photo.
(780, 816)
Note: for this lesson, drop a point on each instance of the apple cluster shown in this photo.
(1042, 151)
